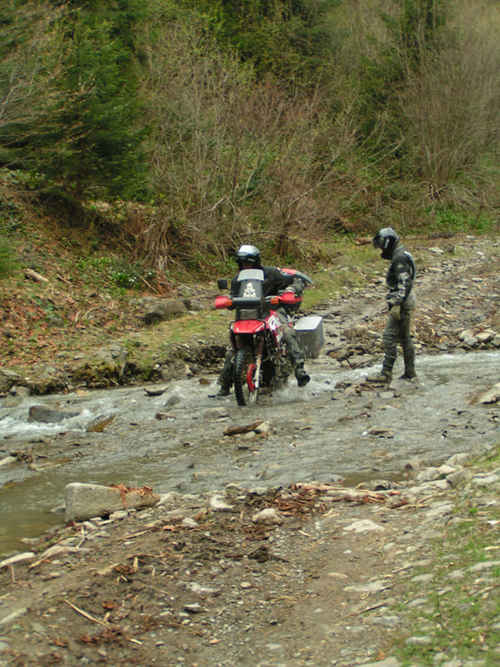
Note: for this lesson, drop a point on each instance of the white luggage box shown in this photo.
(310, 333)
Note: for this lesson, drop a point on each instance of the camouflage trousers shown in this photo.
(398, 330)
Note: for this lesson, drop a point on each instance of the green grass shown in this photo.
(462, 615)
(113, 272)
(8, 262)
(451, 220)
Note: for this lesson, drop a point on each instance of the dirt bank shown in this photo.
(61, 335)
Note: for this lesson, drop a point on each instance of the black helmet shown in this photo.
(248, 255)
(386, 239)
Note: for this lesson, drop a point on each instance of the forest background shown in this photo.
(166, 133)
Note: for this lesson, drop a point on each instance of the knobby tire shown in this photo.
(244, 358)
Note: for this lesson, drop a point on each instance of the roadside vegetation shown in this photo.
(202, 125)
(300, 127)
(461, 612)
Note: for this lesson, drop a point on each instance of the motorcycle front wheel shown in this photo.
(244, 376)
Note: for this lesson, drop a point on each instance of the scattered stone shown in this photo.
(490, 396)
(268, 515)
(364, 526)
(39, 413)
(216, 413)
(468, 338)
(388, 662)
(486, 480)
(264, 428)
(371, 587)
(218, 504)
(98, 424)
(485, 336)
(202, 590)
(151, 391)
(423, 640)
(422, 579)
(379, 432)
(157, 309)
(487, 565)
(19, 391)
(174, 398)
(439, 510)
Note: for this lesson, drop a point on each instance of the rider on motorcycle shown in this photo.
(275, 282)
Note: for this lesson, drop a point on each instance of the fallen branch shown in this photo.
(37, 277)
(363, 611)
(82, 612)
(105, 624)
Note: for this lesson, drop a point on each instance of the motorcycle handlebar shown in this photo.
(286, 298)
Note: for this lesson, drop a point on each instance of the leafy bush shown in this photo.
(106, 271)
(448, 219)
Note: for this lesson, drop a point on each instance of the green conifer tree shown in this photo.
(78, 125)
(97, 127)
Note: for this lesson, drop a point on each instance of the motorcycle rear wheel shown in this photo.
(244, 377)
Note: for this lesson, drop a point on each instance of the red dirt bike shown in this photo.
(256, 334)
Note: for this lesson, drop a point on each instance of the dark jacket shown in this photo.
(400, 276)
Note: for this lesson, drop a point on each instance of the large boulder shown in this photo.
(104, 368)
(8, 379)
(84, 501)
(40, 413)
(156, 309)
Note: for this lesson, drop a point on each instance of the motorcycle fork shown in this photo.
(259, 350)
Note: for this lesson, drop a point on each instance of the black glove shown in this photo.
(298, 286)
(391, 301)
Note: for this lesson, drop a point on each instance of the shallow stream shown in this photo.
(175, 440)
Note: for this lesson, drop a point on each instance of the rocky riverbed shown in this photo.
(319, 541)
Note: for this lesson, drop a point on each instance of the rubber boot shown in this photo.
(384, 377)
(301, 375)
(409, 359)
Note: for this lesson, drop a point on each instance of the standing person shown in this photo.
(401, 303)
(275, 281)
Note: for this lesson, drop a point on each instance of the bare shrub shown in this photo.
(235, 160)
(451, 102)
(28, 72)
